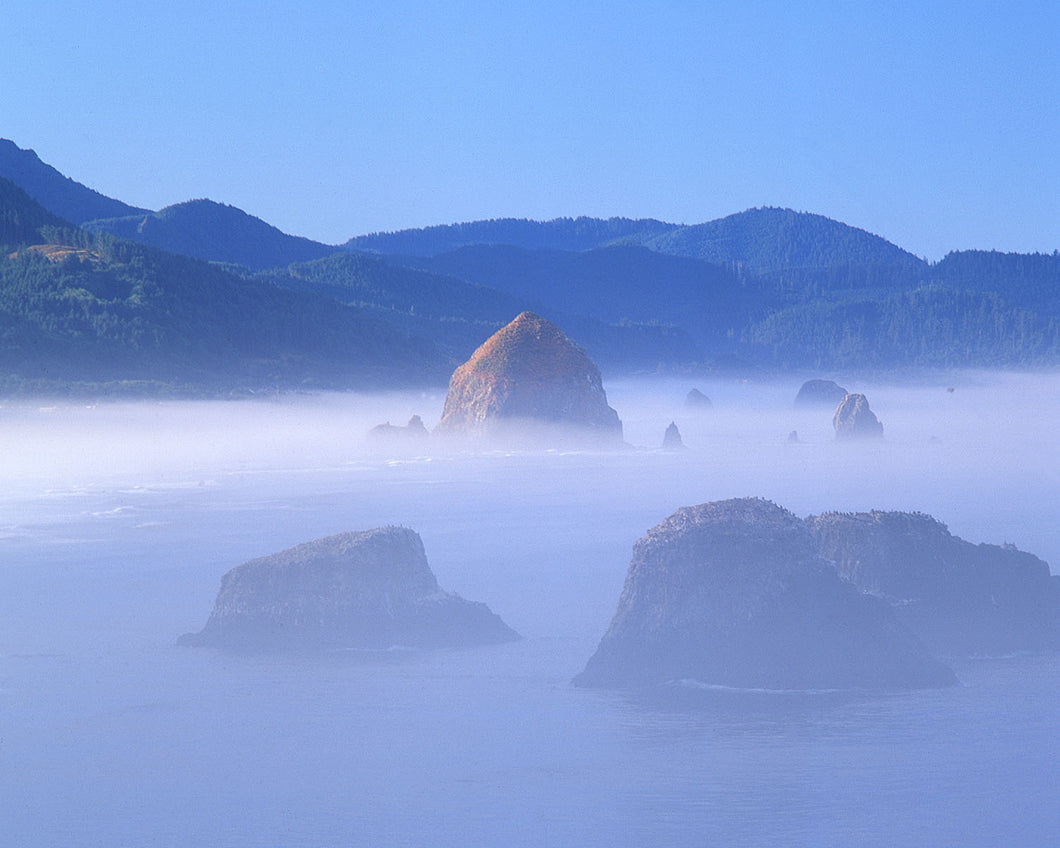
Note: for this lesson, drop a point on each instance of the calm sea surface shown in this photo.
(110, 735)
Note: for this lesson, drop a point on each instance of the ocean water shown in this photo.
(118, 521)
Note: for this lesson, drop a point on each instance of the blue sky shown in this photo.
(935, 125)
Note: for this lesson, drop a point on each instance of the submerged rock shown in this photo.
(672, 438)
(854, 420)
(370, 589)
(958, 597)
(734, 593)
(820, 393)
(529, 377)
(697, 400)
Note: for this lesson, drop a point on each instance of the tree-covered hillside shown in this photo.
(91, 312)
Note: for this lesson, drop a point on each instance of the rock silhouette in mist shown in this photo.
(672, 438)
(854, 420)
(734, 593)
(529, 378)
(958, 597)
(369, 589)
(820, 393)
(411, 432)
(697, 400)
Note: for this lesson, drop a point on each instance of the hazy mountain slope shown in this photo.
(92, 309)
(458, 315)
(557, 234)
(56, 193)
(765, 240)
(622, 283)
(22, 217)
(214, 232)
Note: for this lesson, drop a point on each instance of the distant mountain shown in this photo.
(22, 217)
(769, 239)
(458, 315)
(55, 192)
(621, 283)
(214, 232)
(84, 312)
(557, 234)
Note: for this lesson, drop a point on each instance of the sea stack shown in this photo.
(854, 420)
(734, 593)
(672, 438)
(529, 381)
(369, 589)
(961, 599)
(696, 400)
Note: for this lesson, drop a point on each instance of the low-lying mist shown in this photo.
(117, 521)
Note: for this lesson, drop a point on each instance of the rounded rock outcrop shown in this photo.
(734, 593)
(820, 393)
(960, 598)
(529, 377)
(369, 589)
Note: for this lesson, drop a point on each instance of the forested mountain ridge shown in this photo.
(55, 192)
(214, 232)
(558, 234)
(769, 239)
(89, 312)
(765, 289)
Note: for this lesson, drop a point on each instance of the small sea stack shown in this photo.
(853, 420)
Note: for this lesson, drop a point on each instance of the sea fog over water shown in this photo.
(117, 521)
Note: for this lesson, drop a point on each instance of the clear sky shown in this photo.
(935, 125)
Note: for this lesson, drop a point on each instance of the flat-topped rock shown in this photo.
(735, 593)
(369, 589)
(958, 597)
(529, 375)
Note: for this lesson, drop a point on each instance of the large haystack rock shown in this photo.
(370, 589)
(961, 599)
(734, 593)
(528, 376)
(820, 393)
(854, 420)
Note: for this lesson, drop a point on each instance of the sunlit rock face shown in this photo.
(370, 589)
(854, 420)
(958, 597)
(529, 378)
(734, 593)
(820, 393)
